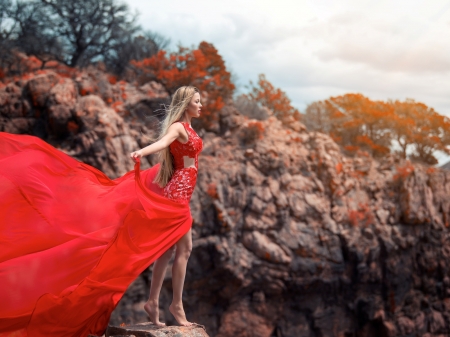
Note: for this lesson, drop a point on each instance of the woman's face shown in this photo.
(194, 107)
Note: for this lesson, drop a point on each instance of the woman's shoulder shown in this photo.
(180, 126)
(177, 125)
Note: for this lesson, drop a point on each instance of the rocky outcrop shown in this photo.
(92, 116)
(445, 166)
(291, 237)
(150, 330)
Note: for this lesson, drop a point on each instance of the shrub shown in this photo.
(252, 132)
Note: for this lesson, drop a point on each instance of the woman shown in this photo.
(73, 240)
(184, 146)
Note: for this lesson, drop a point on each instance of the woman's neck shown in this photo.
(186, 120)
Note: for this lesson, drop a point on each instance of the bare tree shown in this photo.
(74, 32)
(317, 117)
(33, 34)
(7, 31)
(250, 108)
(134, 48)
(88, 29)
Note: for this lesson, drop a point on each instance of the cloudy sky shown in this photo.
(314, 49)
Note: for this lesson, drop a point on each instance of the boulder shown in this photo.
(39, 87)
(151, 330)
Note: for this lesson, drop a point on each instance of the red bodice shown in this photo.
(191, 148)
(181, 185)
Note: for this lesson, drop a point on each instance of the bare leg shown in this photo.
(159, 271)
(184, 248)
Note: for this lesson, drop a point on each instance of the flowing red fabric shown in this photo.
(72, 240)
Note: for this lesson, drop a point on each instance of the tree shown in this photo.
(202, 67)
(250, 108)
(33, 34)
(273, 98)
(74, 32)
(8, 33)
(403, 125)
(88, 29)
(318, 117)
(356, 122)
(420, 126)
(134, 48)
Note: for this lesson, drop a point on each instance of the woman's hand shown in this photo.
(173, 133)
(136, 155)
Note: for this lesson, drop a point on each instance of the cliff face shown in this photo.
(291, 238)
(92, 117)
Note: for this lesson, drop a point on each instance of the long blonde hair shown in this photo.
(180, 100)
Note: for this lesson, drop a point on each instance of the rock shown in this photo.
(254, 221)
(11, 102)
(297, 205)
(320, 205)
(59, 117)
(18, 125)
(437, 322)
(39, 88)
(88, 110)
(264, 248)
(420, 323)
(239, 320)
(63, 93)
(86, 86)
(253, 176)
(382, 215)
(390, 329)
(150, 330)
(406, 326)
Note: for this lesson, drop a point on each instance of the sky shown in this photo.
(312, 50)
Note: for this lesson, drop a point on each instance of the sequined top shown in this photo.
(181, 185)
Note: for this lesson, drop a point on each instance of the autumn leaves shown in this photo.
(203, 68)
(409, 128)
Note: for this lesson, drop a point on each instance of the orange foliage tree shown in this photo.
(202, 67)
(358, 123)
(354, 121)
(273, 98)
(421, 127)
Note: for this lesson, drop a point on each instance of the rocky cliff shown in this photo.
(291, 238)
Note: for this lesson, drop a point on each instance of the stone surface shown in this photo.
(150, 330)
(290, 237)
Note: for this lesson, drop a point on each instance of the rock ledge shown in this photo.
(150, 330)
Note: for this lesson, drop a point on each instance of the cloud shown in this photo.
(401, 45)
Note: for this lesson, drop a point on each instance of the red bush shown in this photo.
(112, 79)
(252, 132)
(72, 127)
(212, 191)
(203, 68)
(339, 168)
(404, 171)
(361, 216)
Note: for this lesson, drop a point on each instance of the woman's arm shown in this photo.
(173, 133)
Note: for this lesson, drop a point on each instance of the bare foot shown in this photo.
(178, 312)
(152, 310)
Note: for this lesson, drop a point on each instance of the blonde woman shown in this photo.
(178, 147)
(73, 240)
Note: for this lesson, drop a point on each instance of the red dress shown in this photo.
(72, 239)
(181, 185)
